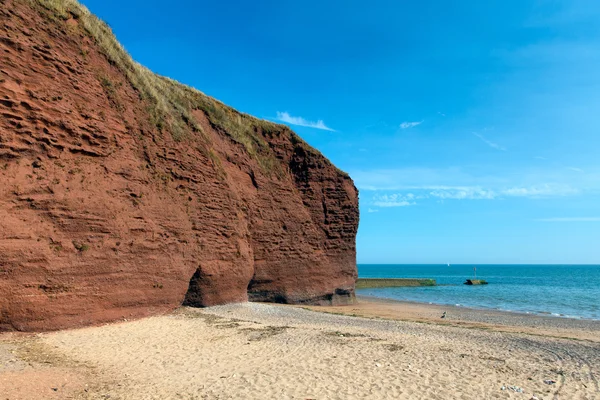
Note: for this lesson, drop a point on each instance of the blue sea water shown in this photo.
(560, 290)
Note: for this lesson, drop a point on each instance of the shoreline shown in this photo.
(542, 314)
(475, 318)
(375, 349)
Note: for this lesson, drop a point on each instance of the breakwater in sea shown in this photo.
(559, 290)
(365, 283)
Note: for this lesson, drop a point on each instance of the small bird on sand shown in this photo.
(444, 314)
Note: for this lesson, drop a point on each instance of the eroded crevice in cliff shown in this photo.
(193, 296)
(217, 282)
(257, 293)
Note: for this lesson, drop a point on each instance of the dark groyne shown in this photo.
(367, 283)
(475, 282)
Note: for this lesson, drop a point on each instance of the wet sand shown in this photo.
(373, 307)
(263, 351)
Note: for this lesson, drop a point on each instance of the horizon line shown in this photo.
(475, 264)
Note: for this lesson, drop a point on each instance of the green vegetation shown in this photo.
(56, 247)
(368, 283)
(110, 90)
(170, 104)
(80, 247)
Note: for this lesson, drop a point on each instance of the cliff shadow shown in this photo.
(217, 282)
(193, 296)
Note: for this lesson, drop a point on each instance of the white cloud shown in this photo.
(480, 193)
(372, 210)
(442, 193)
(463, 193)
(392, 200)
(442, 114)
(489, 143)
(536, 191)
(287, 118)
(570, 219)
(407, 125)
(575, 169)
(418, 185)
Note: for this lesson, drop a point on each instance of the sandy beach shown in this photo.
(502, 321)
(263, 351)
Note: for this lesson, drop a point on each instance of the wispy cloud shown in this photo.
(489, 143)
(463, 193)
(540, 158)
(441, 113)
(575, 169)
(570, 219)
(544, 190)
(480, 193)
(372, 210)
(392, 200)
(287, 118)
(470, 193)
(408, 125)
(412, 184)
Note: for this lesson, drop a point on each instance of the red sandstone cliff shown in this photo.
(125, 194)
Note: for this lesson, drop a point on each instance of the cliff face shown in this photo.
(124, 194)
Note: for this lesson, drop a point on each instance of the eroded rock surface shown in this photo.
(105, 216)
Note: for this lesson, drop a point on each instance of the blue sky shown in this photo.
(470, 128)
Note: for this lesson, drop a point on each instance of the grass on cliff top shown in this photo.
(172, 103)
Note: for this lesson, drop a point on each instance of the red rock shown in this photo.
(105, 216)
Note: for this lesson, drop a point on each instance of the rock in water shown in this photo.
(125, 194)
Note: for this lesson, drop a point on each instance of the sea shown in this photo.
(571, 291)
